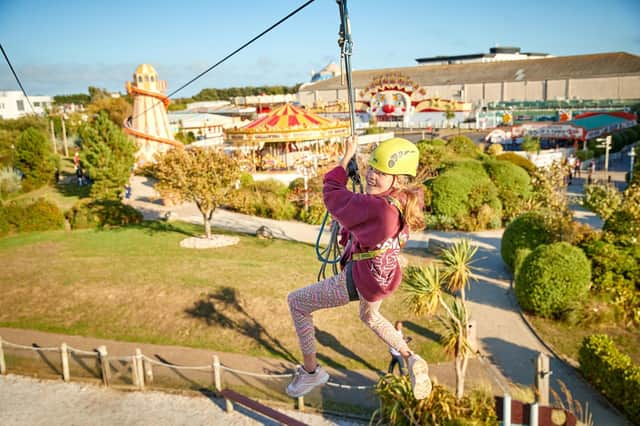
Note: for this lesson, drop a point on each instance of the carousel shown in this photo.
(287, 138)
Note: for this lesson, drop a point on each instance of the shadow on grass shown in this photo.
(422, 331)
(69, 188)
(329, 340)
(152, 227)
(212, 311)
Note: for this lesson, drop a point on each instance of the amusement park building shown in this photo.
(606, 76)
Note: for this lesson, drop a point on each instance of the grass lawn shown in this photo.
(138, 284)
(567, 339)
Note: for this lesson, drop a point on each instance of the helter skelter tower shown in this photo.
(149, 123)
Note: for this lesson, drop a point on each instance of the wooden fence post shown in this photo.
(148, 371)
(217, 383)
(64, 356)
(3, 365)
(135, 372)
(139, 368)
(533, 414)
(104, 365)
(542, 379)
(506, 410)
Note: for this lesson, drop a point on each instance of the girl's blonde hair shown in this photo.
(413, 214)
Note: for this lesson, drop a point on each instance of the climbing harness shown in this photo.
(401, 238)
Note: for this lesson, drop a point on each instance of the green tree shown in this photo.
(108, 156)
(117, 109)
(34, 158)
(530, 145)
(200, 175)
(449, 113)
(425, 287)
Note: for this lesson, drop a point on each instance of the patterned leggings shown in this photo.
(331, 293)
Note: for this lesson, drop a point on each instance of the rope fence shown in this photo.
(142, 367)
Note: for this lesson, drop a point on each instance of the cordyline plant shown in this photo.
(199, 175)
(425, 286)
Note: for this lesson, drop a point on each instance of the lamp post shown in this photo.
(632, 156)
(606, 144)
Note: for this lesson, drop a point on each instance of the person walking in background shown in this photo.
(396, 357)
(79, 174)
(374, 227)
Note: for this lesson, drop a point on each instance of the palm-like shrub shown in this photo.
(399, 407)
(424, 288)
(457, 262)
(553, 280)
(525, 232)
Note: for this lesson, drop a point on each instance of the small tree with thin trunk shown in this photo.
(200, 175)
(425, 287)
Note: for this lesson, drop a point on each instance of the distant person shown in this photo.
(577, 167)
(127, 191)
(396, 357)
(79, 174)
(375, 226)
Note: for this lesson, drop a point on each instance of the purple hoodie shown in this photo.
(372, 220)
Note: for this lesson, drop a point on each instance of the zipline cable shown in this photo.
(15, 75)
(232, 54)
(332, 254)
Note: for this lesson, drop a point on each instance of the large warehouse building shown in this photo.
(468, 84)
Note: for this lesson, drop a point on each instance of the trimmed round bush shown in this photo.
(513, 183)
(553, 280)
(526, 231)
(465, 194)
(518, 160)
(41, 215)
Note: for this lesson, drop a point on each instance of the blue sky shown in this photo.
(64, 46)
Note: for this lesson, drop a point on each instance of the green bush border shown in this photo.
(612, 373)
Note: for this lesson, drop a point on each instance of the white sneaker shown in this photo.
(419, 374)
(304, 382)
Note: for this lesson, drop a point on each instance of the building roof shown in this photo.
(597, 121)
(554, 68)
(287, 124)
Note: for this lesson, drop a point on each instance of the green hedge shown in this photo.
(39, 215)
(612, 373)
(553, 280)
(526, 231)
(513, 183)
(465, 194)
(518, 160)
(102, 213)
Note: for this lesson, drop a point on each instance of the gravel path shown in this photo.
(29, 401)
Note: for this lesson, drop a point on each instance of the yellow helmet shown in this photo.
(396, 156)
